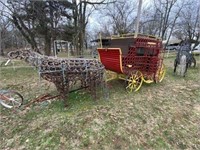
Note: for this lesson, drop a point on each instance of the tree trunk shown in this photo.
(24, 31)
(1, 49)
(47, 49)
(76, 32)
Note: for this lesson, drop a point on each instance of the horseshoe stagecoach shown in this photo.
(135, 60)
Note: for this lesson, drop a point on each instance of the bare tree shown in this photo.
(38, 20)
(150, 21)
(189, 23)
(4, 25)
(120, 15)
(82, 10)
(161, 17)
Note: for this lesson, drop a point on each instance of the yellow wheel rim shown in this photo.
(134, 81)
(148, 79)
(161, 73)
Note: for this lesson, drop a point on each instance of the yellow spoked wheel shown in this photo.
(134, 81)
(148, 79)
(161, 73)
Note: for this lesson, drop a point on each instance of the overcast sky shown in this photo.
(96, 18)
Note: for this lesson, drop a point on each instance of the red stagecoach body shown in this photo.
(125, 55)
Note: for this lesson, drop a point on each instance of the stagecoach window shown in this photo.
(140, 52)
(151, 52)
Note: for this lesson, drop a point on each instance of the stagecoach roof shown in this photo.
(123, 36)
(103, 39)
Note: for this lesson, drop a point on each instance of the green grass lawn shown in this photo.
(159, 116)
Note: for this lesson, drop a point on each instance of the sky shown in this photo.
(96, 18)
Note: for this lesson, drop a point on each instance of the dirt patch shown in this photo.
(197, 108)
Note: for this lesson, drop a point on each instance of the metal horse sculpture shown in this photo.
(65, 73)
(184, 58)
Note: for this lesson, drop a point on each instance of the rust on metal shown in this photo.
(65, 72)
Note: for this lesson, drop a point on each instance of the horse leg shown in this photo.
(65, 95)
(194, 61)
(186, 69)
(183, 64)
(84, 80)
(175, 65)
(63, 90)
(190, 63)
(93, 90)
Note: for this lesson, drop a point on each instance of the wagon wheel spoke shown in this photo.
(138, 77)
(134, 81)
(129, 86)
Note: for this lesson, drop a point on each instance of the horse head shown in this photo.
(28, 56)
(19, 54)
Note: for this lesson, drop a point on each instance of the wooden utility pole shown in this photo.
(138, 18)
(0, 43)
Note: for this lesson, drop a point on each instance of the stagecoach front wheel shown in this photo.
(134, 81)
(161, 73)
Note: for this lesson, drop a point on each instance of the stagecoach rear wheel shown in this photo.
(161, 73)
(148, 79)
(134, 81)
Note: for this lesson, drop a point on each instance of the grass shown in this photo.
(159, 116)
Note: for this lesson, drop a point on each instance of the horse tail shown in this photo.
(183, 63)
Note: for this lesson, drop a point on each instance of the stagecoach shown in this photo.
(135, 59)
